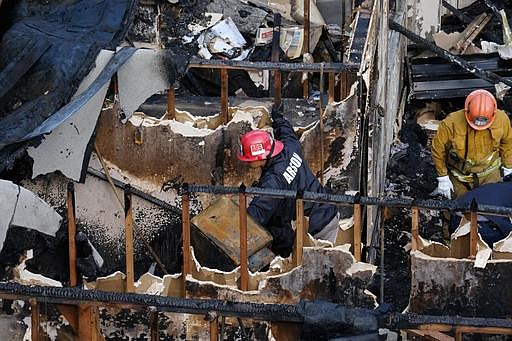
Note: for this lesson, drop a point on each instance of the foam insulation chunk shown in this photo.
(140, 77)
(65, 147)
(20, 207)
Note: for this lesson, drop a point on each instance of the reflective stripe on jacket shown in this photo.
(480, 144)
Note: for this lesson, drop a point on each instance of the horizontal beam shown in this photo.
(196, 62)
(351, 199)
(469, 67)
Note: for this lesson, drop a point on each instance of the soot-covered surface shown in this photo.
(48, 49)
(410, 173)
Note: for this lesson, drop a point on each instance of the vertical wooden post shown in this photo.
(473, 233)
(415, 218)
(185, 207)
(214, 329)
(275, 58)
(171, 108)
(307, 6)
(299, 228)
(357, 228)
(332, 85)
(128, 231)
(153, 319)
(70, 205)
(224, 95)
(87, 326)
(321, 124)
(34, 319)
(458, 334)
(244, 271)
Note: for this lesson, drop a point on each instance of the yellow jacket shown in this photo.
(481, 144)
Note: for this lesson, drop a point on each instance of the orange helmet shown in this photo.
(480, 109)
(257, 145)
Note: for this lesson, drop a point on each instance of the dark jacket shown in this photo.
(497, 194)
(288, 171)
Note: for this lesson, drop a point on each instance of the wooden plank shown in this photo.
(470, 33)
(128, 231)
(70, 313)
(214, 329)
(70, 207)
(244, 272)
(276, 34)
(473, 234)
(332, 85)
(88, 328)
(171, 108)
(415, 214)
(153, 322)
(185, 204)
(35, 320)
(430, 335)
(307, 5)
(299, 232)
(357, 232)
(224, 95)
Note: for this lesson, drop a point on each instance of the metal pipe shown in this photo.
(128, 231)
(244, 271)
(185, 204)
(196, 62)
(224, 96)
(415, 213)
(70, 207)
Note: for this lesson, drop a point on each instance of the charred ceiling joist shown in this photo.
(488, 78)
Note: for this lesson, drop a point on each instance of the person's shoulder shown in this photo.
(501, 115)
(455, 116)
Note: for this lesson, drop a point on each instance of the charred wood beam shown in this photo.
(196, 62)
(469, 67)
(467, 20)
(450, 205)
(313, 312)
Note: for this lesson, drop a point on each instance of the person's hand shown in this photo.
(445, 186)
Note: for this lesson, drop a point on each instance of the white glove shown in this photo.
(445, 186)
(506, 171)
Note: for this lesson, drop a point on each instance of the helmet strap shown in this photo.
(269, 156)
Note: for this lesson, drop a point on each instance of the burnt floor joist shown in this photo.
(481, 78)
(433, 77)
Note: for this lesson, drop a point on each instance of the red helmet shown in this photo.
(257, 144)
(480, 109)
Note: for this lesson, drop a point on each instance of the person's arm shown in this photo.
(506, 144)
(262, 208)
(440, 142)
(283, 130)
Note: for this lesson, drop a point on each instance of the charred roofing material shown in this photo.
(47, 74)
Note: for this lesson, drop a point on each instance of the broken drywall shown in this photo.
(65, 148)
(20, 207)
(423, 17)
(449, 286)
(140, 77)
